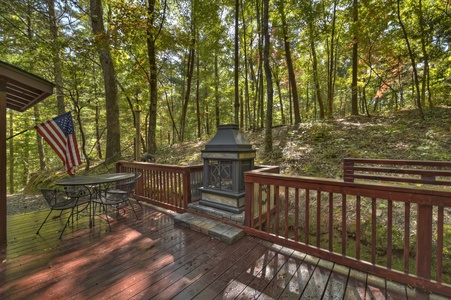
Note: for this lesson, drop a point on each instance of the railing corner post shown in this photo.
(249, 190)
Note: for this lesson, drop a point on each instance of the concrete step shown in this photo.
(217, 213)
(223, 232)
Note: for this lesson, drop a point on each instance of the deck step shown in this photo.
(217, 213)
(223, 232)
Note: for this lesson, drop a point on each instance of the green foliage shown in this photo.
(384, 71)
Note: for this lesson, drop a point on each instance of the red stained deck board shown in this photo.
(152, 257)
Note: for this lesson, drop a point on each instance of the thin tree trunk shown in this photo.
(259, 88)
(170, 109)
(279, 93)
(152, 54)
(237, 44)
(254, 87)
(425, 80)
(217, 115)
(331, 69)
(355, 57)
(247, 110)
(291, 74)
(199, 133)
(319, 98)
(189, 77)
(412, 59)
(98, 135)
(269, 87)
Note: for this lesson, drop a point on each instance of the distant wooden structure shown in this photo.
(19, 90)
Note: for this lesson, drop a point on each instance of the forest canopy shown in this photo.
(188, 66)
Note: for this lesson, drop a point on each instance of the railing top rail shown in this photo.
(426, 196)
(401, 171)
(398, 162)
(158, 167)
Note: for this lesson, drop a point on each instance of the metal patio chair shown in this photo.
(62, 200)
(115, 197)
(120, 187)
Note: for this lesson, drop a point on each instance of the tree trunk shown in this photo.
(269, 87)
(189, 76)
(199, 133)
(247, 109)
(237, 59)
(355, 57)
(424, 36)
(170, 110)
(56, 57)
(98, 134)
(412, 59)
(259, 88)
(331, 69)
(315, 74)
(113, 139)
(152, 54)
(217, 115)
(291, 74)
(279, 93)
(254, 87)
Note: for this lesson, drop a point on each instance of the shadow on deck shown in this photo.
(153, 258)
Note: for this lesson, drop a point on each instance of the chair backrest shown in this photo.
(50, 196)
(131, 186)
(57, 198)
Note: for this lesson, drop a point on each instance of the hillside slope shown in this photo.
(318, 148)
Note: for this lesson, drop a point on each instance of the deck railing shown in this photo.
(168, 186)
(400, 233)
(420, 172)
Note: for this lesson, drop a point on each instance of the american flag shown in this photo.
(59, 133)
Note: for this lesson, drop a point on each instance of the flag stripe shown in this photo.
(55, 137)
(59, 134)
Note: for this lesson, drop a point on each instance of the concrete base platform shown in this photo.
(223, 232)
(227, 216)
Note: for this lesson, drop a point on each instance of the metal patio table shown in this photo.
(92, 182)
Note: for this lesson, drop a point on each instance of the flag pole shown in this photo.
(23, 131)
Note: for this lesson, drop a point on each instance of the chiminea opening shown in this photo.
(226, 157)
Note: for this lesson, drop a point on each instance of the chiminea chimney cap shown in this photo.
(228, 138)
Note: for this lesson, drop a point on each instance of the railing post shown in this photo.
(348, 170)
(249, 197)
(186, 188)
(424, 241)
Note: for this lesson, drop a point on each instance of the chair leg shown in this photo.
(105, 211)
(106, 217)
(139, 203)
(131, 204)
(67, 222)
(37, 232)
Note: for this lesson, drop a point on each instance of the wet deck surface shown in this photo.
(153, 258)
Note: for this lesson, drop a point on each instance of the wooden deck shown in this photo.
(153, 258)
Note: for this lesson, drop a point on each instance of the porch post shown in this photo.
(2, 161)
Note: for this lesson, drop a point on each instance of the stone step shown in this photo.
(223, 232)
(217, 213)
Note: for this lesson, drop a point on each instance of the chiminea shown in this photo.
(226, 157)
